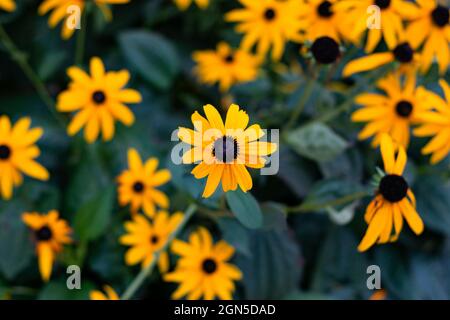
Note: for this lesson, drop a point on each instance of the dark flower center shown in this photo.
(403, 53)
(43, 234)
(5, 152)
(393, 188)
(325, 50)
(229, 58)
(225, 149)
(324, 9)
(404, 108)
(269, 14)
(440, 16)
(383, 4)
(98, 97)
(154, 239)
(209, 266)
(138, 187)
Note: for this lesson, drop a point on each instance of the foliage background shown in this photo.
(306, 255)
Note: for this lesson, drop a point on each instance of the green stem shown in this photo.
(21, 59)
(144, 273)
(301, 104)
(81, 38)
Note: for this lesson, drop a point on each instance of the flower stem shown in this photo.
(302, 103)
(21, 59)
(144, 273)
(81, 38)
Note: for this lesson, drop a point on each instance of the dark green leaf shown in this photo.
(245, 208)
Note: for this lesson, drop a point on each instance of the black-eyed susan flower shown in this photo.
(225, 66)
(18, 153)
(432, 29)
(325, 50)
(7, 5)
(393, 202)
(403, 54)
(109, 294)
(269, 23)
(223, 151)
(61, 11)
(392, 14)
(184, 4)
(137, 185)
(146, 238)
(393, 112)
(203, 268)
(436, 123)
(99, 100)
(379, 294)
(50, 233)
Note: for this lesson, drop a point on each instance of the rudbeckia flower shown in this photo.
(225, 66)
(137, 185)
(224, 150)
(325, 50)
(147, 238)
(431, 28)
(61, 11)
(7, 5)
(184, 4)
(17, 154)
(270, 23)
(203, 268)
(402, 54)
(436, 123)
(392, 14)
(393, 202)
(98, 295)
(99, 99)
(50, 233)
(393, 112)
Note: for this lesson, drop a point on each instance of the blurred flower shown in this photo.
(224, 150)
(147, 238)
(225, 66)
(431, 28)
(394, 200)
(320, 18)
(203, 268)
(268, 23)
(17, 154)
(402, 53)
(98, 295)
(437, 124)
(50, 234)
(137, 185)
(392, 113)
(184, 4)
(8, 5)
(379, 295)
(325, 50)
(392, 12)
(61, 11)
(99, 99)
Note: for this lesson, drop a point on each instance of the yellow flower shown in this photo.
(7, 5)
(225, 66)
(17, 154)
(379, 294)
(392, 13)
(431, 28)
(50, 234)
(147, 238)
(184, 4)
(393, 202)
(402, 54)
(99, 99)
(203, 268)
(62, 11)
(270, 23)
(392, 113)
(437, 124)
(98, 295)
(137, 185)
(224, 150)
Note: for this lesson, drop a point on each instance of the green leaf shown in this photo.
(152, 56)
(93, 217)
(57, 290)
(245, 208)
(316, 142)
